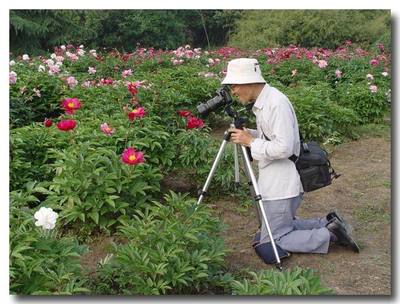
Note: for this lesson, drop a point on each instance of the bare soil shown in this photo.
(362, 195)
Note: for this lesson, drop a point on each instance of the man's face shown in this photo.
(243, 92)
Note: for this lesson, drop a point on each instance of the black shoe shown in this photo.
(334, 214)
(337, 228)
(256, 239)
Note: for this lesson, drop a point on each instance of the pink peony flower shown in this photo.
(133, 88)
(132, 157)
(322, 63)
(66, 125)
(137, 113)
(70, 105)
(104, 127)
(374, 62)
(194, 122)
(106, 81)
(54, 69)
(12, 77)
(126, 73)
(338, 73)
(47, 122)
(373, 88)
(72, 82)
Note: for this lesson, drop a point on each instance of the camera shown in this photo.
(223, 98)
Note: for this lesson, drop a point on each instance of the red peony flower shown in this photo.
(133, 88)
(47, 123)
(184, 113)
(106, 81)
(139, 112)
(194, 122)
(132, 157)
(71, 105)
(66, 125)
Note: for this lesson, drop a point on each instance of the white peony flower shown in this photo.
(12, 62)
(25, 57)
(53, 56)
(46, 218)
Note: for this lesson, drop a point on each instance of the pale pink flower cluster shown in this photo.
(54, 69)
(12, 77)
(126, 73)
(370, 77)
(338, 74)
(177, 61)
(92, 70)
(212, 62)
(322, 64)
(71, 56)
(186, 52)
(106, 129)
(207, 74)
(80, 51)
(373, 88)
(72, 82)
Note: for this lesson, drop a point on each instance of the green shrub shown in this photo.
(41, 263)
(170, 249)
(25, 105)
(293, 282)
(94, 190)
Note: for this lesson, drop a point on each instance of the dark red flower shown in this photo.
(66, 125)
(47, 123)
(194, 122)
(184, 113)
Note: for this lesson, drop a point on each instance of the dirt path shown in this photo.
(362, 195)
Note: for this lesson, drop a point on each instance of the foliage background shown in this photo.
(35, 31)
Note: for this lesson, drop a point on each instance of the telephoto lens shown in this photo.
(222, 98)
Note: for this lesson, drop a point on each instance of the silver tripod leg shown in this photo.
(213, 168)
(237, 176)
(258, 198)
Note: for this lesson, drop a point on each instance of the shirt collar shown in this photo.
(260, 101)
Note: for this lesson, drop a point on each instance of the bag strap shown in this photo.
(293, 157)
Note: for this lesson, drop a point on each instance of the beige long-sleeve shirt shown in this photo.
(275, 116)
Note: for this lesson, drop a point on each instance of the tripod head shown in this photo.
(237, 120)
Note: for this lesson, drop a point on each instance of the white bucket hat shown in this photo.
(242, 71)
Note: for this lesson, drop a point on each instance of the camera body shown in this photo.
(223, 98)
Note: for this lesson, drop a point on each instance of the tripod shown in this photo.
(252, 181)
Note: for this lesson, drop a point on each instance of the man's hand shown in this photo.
(241, 137)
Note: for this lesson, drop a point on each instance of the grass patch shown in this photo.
(372, 216)
(373, 130)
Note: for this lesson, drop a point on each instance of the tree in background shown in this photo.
(311, 28)
(35, 30)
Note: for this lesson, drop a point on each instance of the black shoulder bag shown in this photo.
(313, 165)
